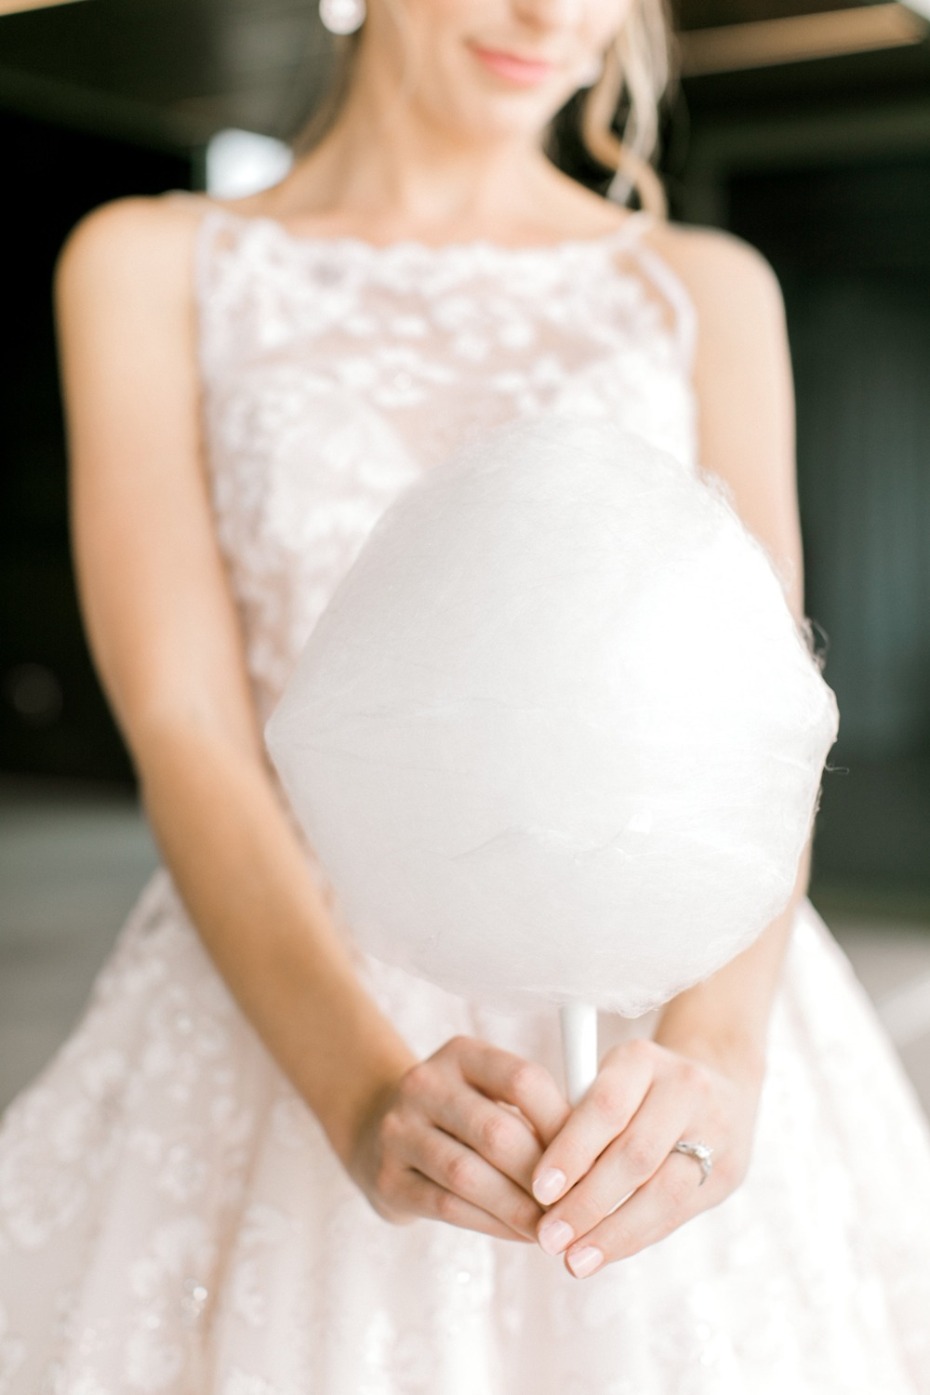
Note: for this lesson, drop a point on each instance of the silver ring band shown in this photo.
(701, 1153)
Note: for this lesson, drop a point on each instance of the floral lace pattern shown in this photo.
(172, 1221)
(336, 371)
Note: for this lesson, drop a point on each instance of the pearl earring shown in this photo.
(342, 16)
(592, 71)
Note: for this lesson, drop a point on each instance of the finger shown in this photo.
(502, 1075)
(496, 1132)
(430, 1199)
(625, 1165)
(669, 1199)
(458, 1169)
(609, 1105)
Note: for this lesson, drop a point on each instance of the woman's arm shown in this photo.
(167, 643)
(701, 1074)
(746, 435)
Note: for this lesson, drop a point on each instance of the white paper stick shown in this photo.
(579, 1048)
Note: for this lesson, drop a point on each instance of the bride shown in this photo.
(263, 1163)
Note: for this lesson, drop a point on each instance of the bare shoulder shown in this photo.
(728, 278)
(711, 257)
(138, 246)
(743, 382)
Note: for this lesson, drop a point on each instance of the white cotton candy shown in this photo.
(557, 735)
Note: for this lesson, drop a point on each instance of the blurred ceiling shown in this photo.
(172, 72)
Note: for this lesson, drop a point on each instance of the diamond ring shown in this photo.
(701, 1153)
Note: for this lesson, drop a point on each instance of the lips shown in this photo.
(524, 71)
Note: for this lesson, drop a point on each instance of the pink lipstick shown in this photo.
(526, 71)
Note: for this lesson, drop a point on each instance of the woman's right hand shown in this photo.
(456, 1138)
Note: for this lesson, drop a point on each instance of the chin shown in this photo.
(504, 125)
(480, 115)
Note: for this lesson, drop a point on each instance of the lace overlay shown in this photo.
(336, 371)
(171, 1217)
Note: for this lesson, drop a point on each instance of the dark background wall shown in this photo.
(851, 248)
(53, 720)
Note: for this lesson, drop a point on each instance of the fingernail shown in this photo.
(584, 1262)
(554, 1235)
(549, 1185)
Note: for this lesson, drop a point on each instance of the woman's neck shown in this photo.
(382, 165)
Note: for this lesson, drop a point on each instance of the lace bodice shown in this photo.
(335, 370)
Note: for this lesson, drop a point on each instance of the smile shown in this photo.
(527, 72)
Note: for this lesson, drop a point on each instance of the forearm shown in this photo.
(262, 918)
(725, 1019)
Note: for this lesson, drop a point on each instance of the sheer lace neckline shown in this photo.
(412, 249)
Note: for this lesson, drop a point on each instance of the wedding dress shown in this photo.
(172, 1220)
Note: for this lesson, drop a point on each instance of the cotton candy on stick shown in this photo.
(557, 735)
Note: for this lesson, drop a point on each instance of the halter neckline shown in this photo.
(635, 221)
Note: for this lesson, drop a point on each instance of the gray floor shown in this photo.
(72, 863)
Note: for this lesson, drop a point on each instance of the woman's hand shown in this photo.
(615, 1147)
(457, 1138)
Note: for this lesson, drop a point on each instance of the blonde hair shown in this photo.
(640, 69)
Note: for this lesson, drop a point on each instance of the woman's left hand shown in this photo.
(616, 1147)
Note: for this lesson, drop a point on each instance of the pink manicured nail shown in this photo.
(584, 1262)
(553, 1235)
(549, 1185)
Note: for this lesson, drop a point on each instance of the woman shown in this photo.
(213, 1186)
